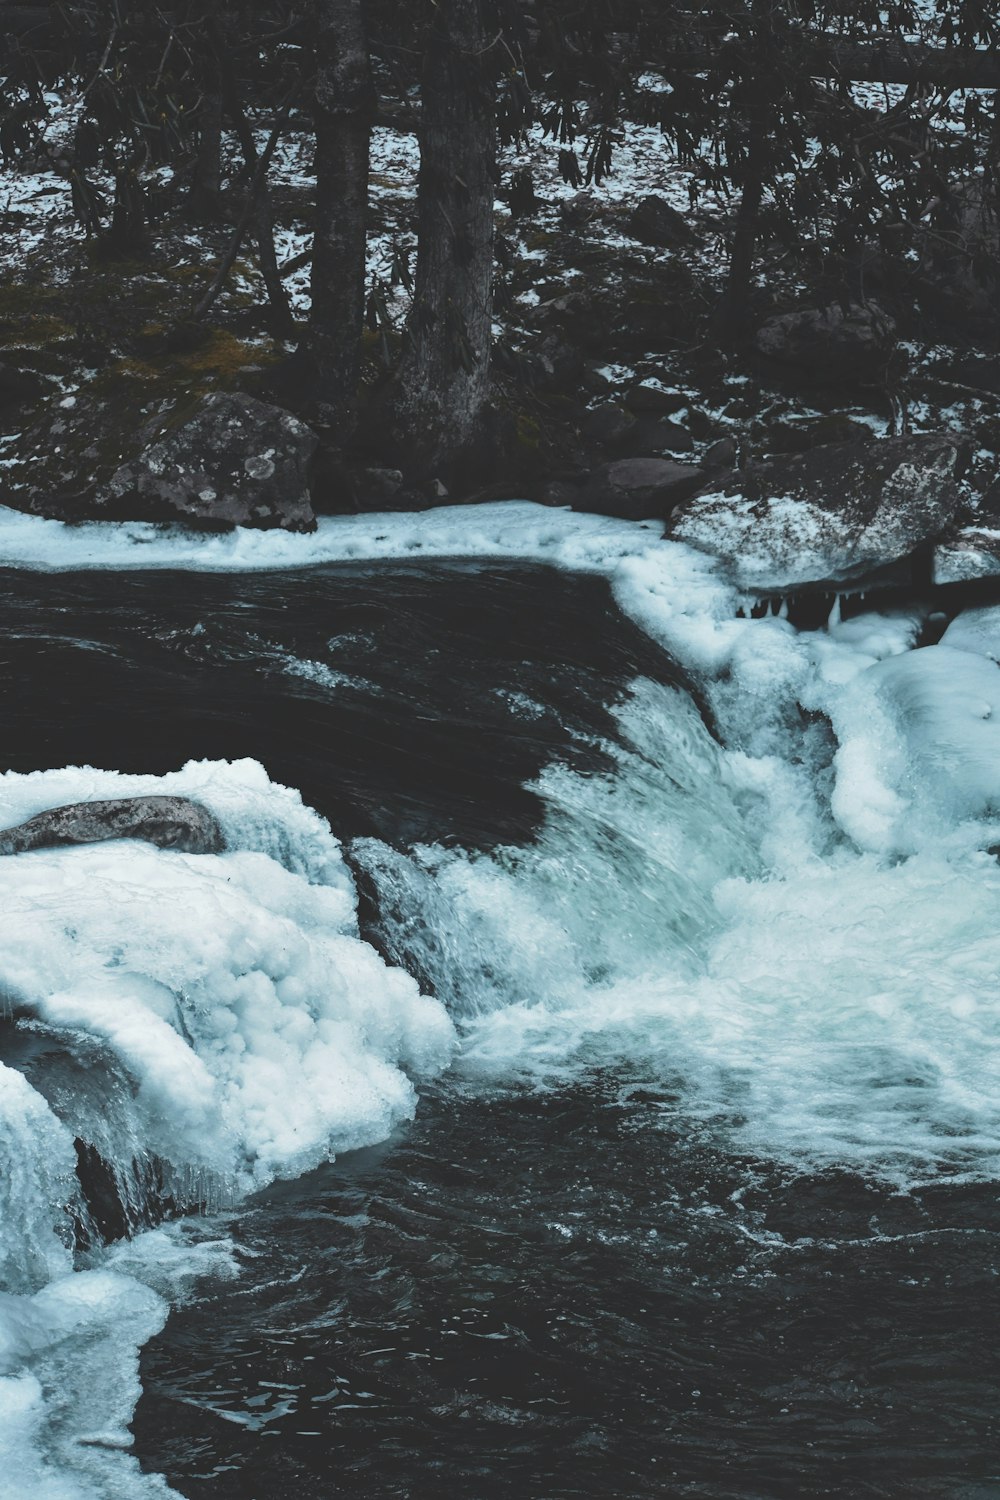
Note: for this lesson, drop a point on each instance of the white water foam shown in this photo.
(255, 1035)
(799, 933)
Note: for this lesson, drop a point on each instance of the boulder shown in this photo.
(967, 554)
(831, 515)
(649, 398)
(608, 424)
(232, 461)
(830, 345)
(654, 435)
(722, 454)
(637, 489)
(654, 222)
(798, 435)
(168, 822)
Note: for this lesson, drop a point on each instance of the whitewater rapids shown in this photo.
(783, 907)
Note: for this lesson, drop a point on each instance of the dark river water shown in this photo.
(576, 1287)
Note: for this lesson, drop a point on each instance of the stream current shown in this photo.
(661, 1068)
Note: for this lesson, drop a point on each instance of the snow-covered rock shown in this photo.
(234, 461)
(830, 344)
(967, 554)
(831, 515)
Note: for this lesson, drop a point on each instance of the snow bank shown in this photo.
(510, 530)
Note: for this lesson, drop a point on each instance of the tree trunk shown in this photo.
(735, 306)
(344, 108)
(444, 380)
(206, 181)
(282, 321)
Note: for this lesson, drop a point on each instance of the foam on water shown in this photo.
(792, 925)
(235, 1028)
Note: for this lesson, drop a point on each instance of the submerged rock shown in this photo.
(834, 514)
(168, 822)
(233, 461)
(830, 344)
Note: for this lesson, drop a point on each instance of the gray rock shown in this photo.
(831, 515)
(829, 345)
(608, 424)
(967, 554)
(649, 399)
(233, 461)
(654, 435)
(168, 822)
(654, 222)
(377, 485)
(722, 454)
(637, 489)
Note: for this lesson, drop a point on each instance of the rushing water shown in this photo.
(700, 1195)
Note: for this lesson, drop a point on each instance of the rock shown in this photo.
(577, 211)
(608, 424)
(700, 424)
(830, 345)
(638, 488)
(654, 222)
(651, 399)
(232, 461)
(595, 378)
(721, 455)
(831, 515)
(20, 387)
(652, 435)
(967, 554)
(377, 486)
(798, 436)
(563, 491)
(169, 822)
(556, 363)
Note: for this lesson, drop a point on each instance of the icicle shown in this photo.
(834, 617)
(783, 609)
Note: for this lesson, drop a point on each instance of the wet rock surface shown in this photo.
(168, 822)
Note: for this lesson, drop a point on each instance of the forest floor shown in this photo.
(93, 348)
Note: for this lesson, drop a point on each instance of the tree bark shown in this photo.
(344, 109)
(206, 180)
(444, 380)
(734, 310)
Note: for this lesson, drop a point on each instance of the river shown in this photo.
(647, 1003)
